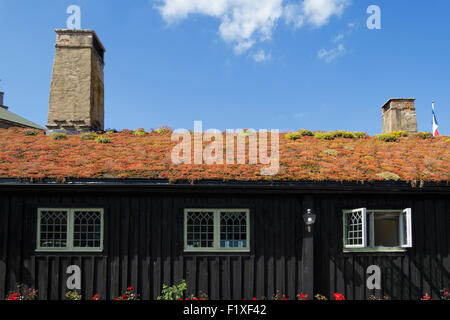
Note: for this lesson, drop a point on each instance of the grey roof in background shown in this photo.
(14, 118)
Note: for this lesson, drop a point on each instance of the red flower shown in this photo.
(302, 296)
(124, 297)
(338, 296)
(426, 297)
(254, 298)
(130, 289)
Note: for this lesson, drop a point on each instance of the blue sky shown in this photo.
(273, 64)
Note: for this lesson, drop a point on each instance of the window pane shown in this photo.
(354, 230)
(386, 229)
(200, 229)
(53, 229)
(233, 230)
(87, 226)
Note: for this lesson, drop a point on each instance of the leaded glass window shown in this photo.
(217, 230)
(53, 229)
(200, 229)
(70, 230)
(355, 228)
(87, 229)
(233, 229)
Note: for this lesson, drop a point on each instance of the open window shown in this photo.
(377, 230)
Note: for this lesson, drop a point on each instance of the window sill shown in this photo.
(216, 251)
(375, 250)
(43, 251)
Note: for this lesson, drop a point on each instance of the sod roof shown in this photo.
(149, 157)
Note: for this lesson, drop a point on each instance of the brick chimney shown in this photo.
(77, 88)
(1, 101)
(399, 114)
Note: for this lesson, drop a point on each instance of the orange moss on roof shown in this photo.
(149, 157)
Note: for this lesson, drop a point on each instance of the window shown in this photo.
(381, 230)
(70, 230)
(216, 230)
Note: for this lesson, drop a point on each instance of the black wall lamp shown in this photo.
(310, 218)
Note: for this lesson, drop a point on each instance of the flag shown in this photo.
(435, 124)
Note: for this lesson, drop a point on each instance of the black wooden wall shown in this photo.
(425, 268)
(143, 246)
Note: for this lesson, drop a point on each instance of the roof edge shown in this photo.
(220, 183)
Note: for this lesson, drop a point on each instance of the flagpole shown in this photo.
(435, 124)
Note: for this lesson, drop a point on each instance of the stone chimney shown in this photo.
(1, 101)
(77, 88)
(399, 115)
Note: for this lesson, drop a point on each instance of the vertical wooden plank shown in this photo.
(43, 275)
(101, 279)
(156, 246)
(124, 243)
(269, 242)
(431, 229)
(397, 278)
(167, 219)
(292, 239)
(214, 283)
(202, 277)
(54, 265)
(359, 278)
(280, 252)
(236, 263)
(114, 228)
(333, 235)
(337, 247)
(133, 247)
(14, 262)
(89, 271)
(178, 241)
(419, 237)
(191, 275)
(144, 246)
(64, 263)
(258, 217)
(445, 216)
(4, 236)
(248, 277)
(225, 263)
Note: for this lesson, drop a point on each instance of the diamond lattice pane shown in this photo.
(233, 229)
(87, 229)
(53, 229)
(200, 229)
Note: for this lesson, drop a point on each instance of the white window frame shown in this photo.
(70, 231)
(363, 212)
(216, 240)
(405, 217)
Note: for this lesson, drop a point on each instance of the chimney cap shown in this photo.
(81, 31)
(386, 106)
(1, 101)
